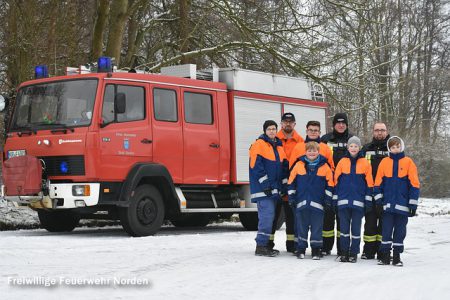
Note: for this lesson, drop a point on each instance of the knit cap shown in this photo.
(340, 117)
(354, 140)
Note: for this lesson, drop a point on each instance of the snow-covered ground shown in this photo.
(216, 262)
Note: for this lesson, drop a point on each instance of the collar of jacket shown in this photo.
(358, 156)
(265, 138)
(397, 156)
(295, 136)
(311, 140)
(320, 160)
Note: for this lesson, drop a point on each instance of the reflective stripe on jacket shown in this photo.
(268, 168)
(311, 187)
(397, 184)
(354, 182)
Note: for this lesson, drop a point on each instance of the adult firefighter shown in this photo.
(337, 141)
(289, 138)
(268, 183)
(374, 152)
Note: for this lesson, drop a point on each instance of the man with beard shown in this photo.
(374, 152)
(337, 141)
(290, 138)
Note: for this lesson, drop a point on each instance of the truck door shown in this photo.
(167, 130)
(125, 138)
(200, 137)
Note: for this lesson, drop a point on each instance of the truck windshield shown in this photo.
(55, 104)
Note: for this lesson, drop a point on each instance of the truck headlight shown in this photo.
(81, 190)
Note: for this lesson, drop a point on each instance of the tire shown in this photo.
(250, 220)
(191, 220)
(145, 214)
(58, 221)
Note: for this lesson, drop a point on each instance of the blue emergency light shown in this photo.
(64, 167)
(40, 71)
(104, 65)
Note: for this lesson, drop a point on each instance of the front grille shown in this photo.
(56, 165)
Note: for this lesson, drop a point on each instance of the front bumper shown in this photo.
(60, 197)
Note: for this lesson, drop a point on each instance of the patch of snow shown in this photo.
(218, 262)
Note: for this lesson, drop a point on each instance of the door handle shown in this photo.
(214, 145)
(146, 141)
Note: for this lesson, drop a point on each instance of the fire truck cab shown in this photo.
(144, 148)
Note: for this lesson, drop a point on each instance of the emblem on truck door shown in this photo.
(126, 144)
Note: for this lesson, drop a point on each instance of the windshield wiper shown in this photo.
(27, 130)
(63, 128)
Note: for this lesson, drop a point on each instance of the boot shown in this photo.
(271, 246)
(384, 258)
(290, 247)
(315, 253)
(367, 256)
(265, 251)
(344, 258)
(396, 260)
(352, 258)
(301, 254)
(324, 252)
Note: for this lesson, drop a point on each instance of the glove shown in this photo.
(412, 212)
(268, 192)
(379, 210)
(367, 208)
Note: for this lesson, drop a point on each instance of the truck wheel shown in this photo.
(58, 221)
(250, 220)
(191, 220)
(145, 214)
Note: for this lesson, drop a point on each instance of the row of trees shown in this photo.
(377, 60)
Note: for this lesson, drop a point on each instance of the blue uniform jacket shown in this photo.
(397, 184)
(268, 168)
(354, 182)
(311, 186)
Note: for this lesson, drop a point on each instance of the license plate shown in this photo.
(14, 153)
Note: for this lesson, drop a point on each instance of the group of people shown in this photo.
(323, 181)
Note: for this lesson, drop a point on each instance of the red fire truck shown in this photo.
(144, 148)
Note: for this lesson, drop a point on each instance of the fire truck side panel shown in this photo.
(305, 113)
(249, 115)
(250, 110)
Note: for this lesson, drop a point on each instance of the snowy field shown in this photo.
(216, 262)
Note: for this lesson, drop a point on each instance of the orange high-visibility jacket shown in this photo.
(354, 182)
(299, 150)
(289, 143)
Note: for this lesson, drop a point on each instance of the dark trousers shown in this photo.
(309, 220)
(289, 219)
(372, 233)
(328, 231)
(266, 213)
(350, 229)
(394, 232)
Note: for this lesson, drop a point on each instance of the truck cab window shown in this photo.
(198, 108)
(165, 105)
(135, 104)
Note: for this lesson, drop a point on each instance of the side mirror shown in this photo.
(3, 103)
(120, 103)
